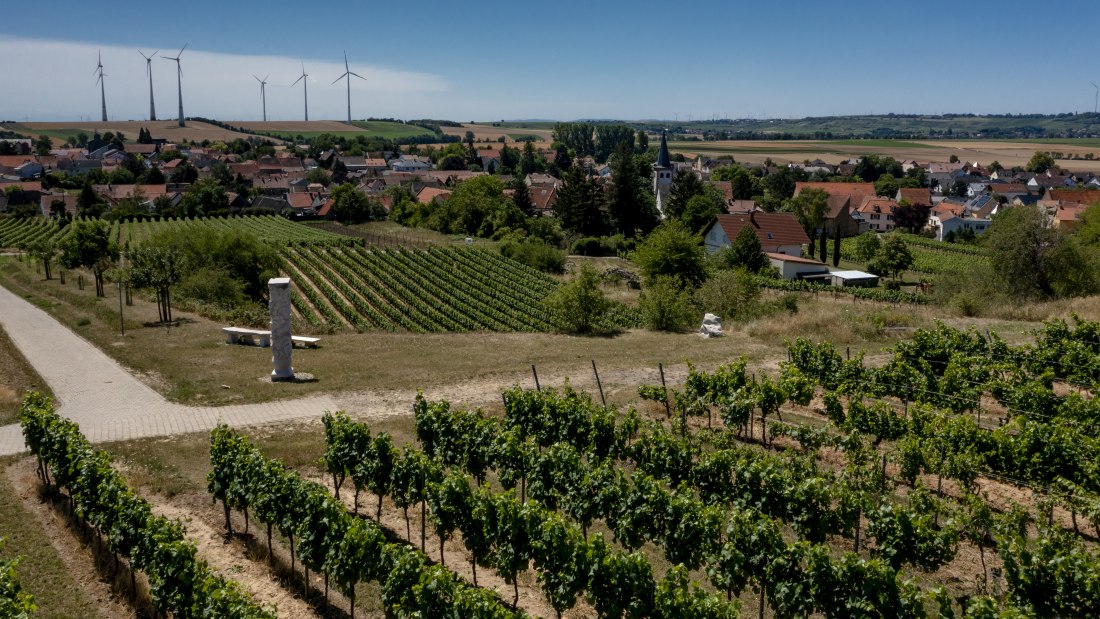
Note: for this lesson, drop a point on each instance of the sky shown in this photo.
(559, 60)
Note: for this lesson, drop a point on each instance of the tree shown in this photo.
(157, 267)
(89, 245)
(46, 250)
(836, 246)
(886, 186)
(521, 196)
(42, 145)
(1088, 231)
(529, 161)
(809, 207)
(745, 252)
(580, 304)
(910, 216)
(1030, 260)
(672, 249)
(953, 159)
(89, 203)
(184, 173)
(666, 306)
(700, 211)
(630, 203)
(204, 197)
(581, 204)
(685, 186)
(350, 205)
(893, 257)
(729, 294)
(1040, 162)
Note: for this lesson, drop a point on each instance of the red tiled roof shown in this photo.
(916, 195)
(796, 259)
(836, 204)
(428, 194)
(1084, 196)
(857, 190)
(774, 229)
(1003, 188)
(24, 185)
(877, 205)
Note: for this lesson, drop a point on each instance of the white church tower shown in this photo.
(662, 176)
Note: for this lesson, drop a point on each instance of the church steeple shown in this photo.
(662, 175)
(663, 160)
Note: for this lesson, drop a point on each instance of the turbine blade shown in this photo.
(254, 76)
(359, 76)
(346, 61)
(339, 78)
(298, 80)
(266, 76)
(182, 48)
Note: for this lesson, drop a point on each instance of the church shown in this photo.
(662, 176)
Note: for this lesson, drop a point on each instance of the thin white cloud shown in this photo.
(54, 80)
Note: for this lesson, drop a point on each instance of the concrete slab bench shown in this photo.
(256, 337)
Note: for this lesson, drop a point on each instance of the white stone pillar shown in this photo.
(281, 345)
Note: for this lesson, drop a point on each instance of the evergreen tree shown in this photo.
(685, 186)
(629, 202)
(521, 196)
(580, 204)
(836, 246)
(745, 251)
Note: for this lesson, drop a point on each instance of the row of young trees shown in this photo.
(180, 582)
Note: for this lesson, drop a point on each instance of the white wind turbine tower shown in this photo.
(102, 89)
(149, 70)
(179, 78)
(304, 79)
(263, 92)
(348, 73)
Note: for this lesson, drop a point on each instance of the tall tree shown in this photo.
(580, 204)
(745, 251)
(809, 207)
(836, 246)
(685, 186)
(521, 196)
(630, 203)
(672, 249)
(159, 268)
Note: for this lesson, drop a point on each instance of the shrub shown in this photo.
(536, 254)
(580, 304)
(729, 295)
(665, 306)
(212, 286)
(672, 249)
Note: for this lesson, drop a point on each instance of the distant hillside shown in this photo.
(899, 126)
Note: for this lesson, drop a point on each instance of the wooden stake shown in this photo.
(603, 400)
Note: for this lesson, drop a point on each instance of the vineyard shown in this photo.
(431, 290)
(853, 511)
(929, 256)
(268, 228)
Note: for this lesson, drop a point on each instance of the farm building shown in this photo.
(795, 267)
(779, 233)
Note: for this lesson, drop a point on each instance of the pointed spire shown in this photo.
(663, 160)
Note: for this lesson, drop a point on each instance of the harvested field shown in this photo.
(60, 131)
(314, 128)
(491, 133)
(1008, 152)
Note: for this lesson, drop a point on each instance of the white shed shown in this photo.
(796, 267)
(857, 279)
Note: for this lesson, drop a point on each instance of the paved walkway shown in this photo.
(106, 400)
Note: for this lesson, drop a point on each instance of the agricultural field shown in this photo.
(314, 128)
(1008, 153)
(929, 256)
(486, 131)
(268, 228)
(195, 131)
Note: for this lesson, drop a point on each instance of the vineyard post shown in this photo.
(121, 323)
(536, 375)
(62, 273)
(598, 383)
(661, 368)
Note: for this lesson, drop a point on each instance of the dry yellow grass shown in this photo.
(168, 129)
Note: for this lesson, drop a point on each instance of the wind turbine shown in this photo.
(1096, 100)
(304, 79)
(348, 73)
(102, 89)
(179, 78)
(149, 70)
(263, 92)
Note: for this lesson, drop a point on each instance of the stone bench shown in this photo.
(256, 337)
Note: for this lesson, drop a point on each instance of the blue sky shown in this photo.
(560, 60)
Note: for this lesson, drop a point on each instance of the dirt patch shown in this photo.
(75, 556)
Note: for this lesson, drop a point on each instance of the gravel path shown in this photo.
(108, 402)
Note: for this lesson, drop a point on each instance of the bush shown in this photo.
(602, 246)
(666, 307)
(212, 286)
(730, 295)
(580, 304)
(536, 254)
(967, 303)
(672, 249)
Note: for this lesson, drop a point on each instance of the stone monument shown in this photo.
(281, 345)
(711, 326)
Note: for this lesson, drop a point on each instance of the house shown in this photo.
(375, 165)
(779, 233)
(796, 267)
(70, 201)
(878, 213)
(843, 200)
(428, 195)
(23, 167)
(1082, 196)
(915, 196)
(145, 150)
(1067, 216)
(544, 198)
(1008, 190)
(544, 180)
(411, 163)
(354, 164)
(948, 217)
(490, 159)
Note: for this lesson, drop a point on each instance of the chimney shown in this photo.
(752, 216)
